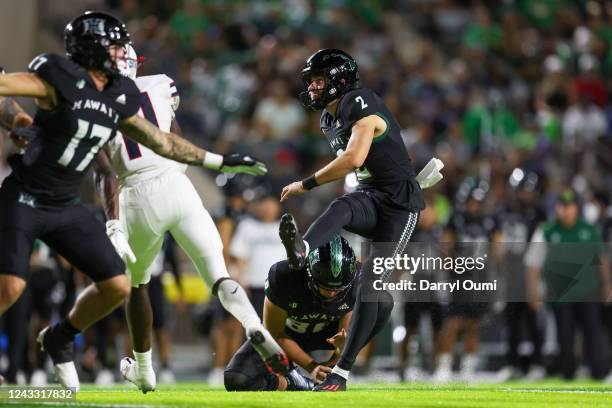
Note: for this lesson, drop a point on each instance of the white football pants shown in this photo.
(170, 203)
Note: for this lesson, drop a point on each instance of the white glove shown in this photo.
(117, 238)
(430, 174)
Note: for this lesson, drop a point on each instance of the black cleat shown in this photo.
(298, 382)
(61, 350)
(293, 242)
(332, 383)
(59, 346)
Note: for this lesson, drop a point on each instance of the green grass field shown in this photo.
(515, 394)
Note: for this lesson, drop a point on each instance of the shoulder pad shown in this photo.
(162, 85)
(126, 95)
(60, 72)
(357, 104)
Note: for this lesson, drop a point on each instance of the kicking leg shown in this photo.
(355, 212)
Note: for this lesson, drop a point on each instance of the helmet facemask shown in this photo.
(128, 65)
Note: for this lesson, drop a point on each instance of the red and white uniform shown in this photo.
(157, 197)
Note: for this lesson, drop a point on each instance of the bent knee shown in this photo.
(118, 287)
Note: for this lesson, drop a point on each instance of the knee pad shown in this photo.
(237, 381)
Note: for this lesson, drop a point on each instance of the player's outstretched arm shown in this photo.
(24, 84)
(362, 135)
(176, 148)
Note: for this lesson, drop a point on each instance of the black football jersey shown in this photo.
(472, 228)
(307, 316)
(70, 135)
(387, 166)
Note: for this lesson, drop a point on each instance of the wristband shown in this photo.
(212, 161)
(309, 183)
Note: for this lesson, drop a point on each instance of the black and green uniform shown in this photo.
(573, 283)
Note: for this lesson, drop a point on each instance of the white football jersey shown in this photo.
(133, 162)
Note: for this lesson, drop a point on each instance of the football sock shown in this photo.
(341, 372)
(468, 363)
(324, 228)
(143, 360)
(67, 329)
(235, 300)
(445, 361)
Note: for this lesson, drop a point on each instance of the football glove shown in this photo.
(25, 133)
(118, 239)
(239, 163)
(430, 174)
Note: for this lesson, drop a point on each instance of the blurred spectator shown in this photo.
(545, 260)
(279, 116)
(256, 245)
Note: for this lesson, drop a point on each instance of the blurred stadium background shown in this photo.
(488, 87)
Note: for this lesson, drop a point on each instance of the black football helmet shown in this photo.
(332, 266)
(339, 70)
(88, 37)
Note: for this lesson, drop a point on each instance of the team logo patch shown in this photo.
(27, 199)
(121, 99)
(80, 84)
(344, 306)
(93, 26)
(293, 305)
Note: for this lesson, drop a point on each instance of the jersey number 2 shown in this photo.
(133, 148)
(360, 100)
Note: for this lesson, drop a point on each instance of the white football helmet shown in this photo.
(128, 65)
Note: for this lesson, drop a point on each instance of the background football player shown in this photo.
(385, 207)
(156, 197)
(82, 103)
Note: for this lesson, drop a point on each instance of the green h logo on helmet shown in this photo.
(313, 256)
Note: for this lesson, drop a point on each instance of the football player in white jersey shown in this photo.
(155, 197)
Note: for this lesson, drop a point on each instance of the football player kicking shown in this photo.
(385, 208)
(155, 197)
(82, 102)
(305, 310)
